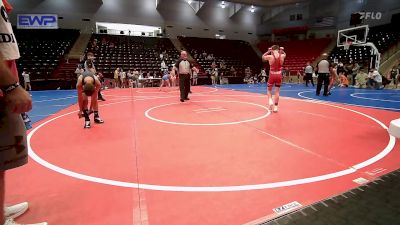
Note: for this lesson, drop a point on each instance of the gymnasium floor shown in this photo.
(220, 158)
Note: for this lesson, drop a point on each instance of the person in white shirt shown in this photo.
(27, 81)
(163, 66)
(308, 71)
(375, 79)
(323, 75)
(263, 76)
(14, 101)
(122, 76)
(184, 70)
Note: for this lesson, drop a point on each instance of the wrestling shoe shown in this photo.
(12, 222)
(87, 124)
(98, 120)
(270, 104)
(12, 212)
(275, 108)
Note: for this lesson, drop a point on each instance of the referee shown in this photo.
(323, 70)
(184, 69)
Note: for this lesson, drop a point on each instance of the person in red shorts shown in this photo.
(275, 57)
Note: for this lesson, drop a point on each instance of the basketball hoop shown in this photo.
(347, 44)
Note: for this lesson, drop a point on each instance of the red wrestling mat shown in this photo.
(220, 158)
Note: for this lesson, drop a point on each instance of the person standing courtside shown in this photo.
(184, 69)
(14, 101)
(323, 75)
(27, 81)
(308, 71)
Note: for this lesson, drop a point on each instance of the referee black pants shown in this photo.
(184, 85)
(323, 78)
(308, 78)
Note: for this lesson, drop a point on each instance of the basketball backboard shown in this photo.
(355, 35)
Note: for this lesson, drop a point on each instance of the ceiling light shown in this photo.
(223, 5)
(252, 9)
(189, 1)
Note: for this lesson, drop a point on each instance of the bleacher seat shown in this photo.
(299, 52)
(131, 52)
(42, 50)
(238, 54)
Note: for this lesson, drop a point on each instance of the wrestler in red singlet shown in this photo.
(275, 56)
(275, 72)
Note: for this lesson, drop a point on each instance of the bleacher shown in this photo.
(299, 52)
(238, 54)
(383, 37)
(131, 52)
(42, 50)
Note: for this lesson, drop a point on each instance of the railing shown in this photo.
(392, 50)
(390, 58)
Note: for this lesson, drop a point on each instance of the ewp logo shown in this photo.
(371, 15)
(37, 21)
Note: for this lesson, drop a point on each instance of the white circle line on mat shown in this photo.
(355, 95)
(155, 187)
(147, 114)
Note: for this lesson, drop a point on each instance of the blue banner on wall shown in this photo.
(37, 21)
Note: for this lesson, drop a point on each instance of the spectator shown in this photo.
(394, 76)
(344, 82)
(195, 76)
(354, 72)
(361, 79)
(308, 71)
(79, 70)
(82, 58)
(299, 75)
(27, 81)
(100, 76)
(163, 66)
(172, 76)
(116, 77)
(375, 79)
(333, 78)
(247, 72)
(122, 77)
(214, 76)
(129, 77)
(263, 76)
(233, 71)
(213, 65)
